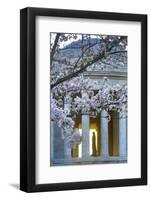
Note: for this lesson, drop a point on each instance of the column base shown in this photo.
(90, 160)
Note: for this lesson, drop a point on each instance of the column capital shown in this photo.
(67, 99)
(85, 113)
(123, 114)
(104, 134)
(104, 114)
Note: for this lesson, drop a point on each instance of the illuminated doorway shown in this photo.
(94, 137)
(114, 134)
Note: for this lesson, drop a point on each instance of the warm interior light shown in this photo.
(90, 142)
(80, 145)
(90, 139)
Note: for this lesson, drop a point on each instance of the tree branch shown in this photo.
(76, 63)
(54, 47)
(82, 68)
(115, 52)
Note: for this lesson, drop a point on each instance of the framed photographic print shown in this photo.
(83, 99)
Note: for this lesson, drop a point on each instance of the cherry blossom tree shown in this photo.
(71, 55)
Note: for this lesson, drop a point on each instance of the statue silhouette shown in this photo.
(94, 151)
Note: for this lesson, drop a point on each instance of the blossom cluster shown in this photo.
(69, 133)
(72, 87)
(107, 98)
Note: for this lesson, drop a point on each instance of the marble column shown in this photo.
(57, 142)
(104, 134)
(51, 141)
(85, 136)
(67, 149)
(122, 135)
(67, 104)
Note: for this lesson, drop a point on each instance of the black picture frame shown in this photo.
(28, 99)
